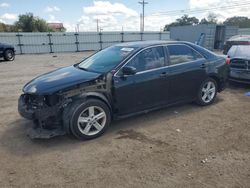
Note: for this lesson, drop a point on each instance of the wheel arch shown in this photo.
(217, 79)
(86, 96)
(9, 48)
(101, 97)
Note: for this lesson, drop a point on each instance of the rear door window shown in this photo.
(182, 54)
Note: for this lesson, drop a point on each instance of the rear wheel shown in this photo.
(89, 119)
(9, 55)
(207, 92)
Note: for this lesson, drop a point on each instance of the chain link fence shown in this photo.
(32, 43)
(245, 31)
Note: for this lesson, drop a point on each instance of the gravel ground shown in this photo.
(182, 146)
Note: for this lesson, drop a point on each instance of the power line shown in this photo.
(185, 11)
(236, 3)
(143, 3)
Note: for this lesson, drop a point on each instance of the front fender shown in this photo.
(96, 95)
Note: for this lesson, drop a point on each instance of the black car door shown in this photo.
(187, 70)
(147, 88)
(1, 49)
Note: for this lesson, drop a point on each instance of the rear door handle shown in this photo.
(164, 74)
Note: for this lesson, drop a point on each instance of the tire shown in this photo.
(87, 119)
(9, 55)
(207, 92)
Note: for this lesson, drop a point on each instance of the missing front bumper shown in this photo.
(47, 121)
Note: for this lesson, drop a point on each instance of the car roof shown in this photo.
(240, 38)
(143, 44)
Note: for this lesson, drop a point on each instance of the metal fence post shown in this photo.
(77, 42)
(100, 40)
(141, 35)
(122, 36)
(160, 36)
(50, 43)
(19, 42)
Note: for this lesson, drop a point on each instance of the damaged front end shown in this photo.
(45, 111)
(47, 97)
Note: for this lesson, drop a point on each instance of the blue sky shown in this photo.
(113, 14)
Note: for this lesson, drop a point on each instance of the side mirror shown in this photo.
(128, 70)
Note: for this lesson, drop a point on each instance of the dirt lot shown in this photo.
(183, 146)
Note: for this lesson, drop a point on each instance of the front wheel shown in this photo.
(9, 55)
(207, 92)
(89, 119)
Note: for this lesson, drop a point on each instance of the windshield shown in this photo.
(106, 59)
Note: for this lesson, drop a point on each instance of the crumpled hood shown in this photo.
(59, 79)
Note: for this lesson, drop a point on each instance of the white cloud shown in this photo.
(111, 17)
(83, 19)
(69, 27)
(235, 8)
(157, 22)
(4, 5)
(114, 16)
(2, 21)
(52, 9)
(8, 18)
(203, 3)
(105, 7)
(52, 19)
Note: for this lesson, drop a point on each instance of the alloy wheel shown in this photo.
(208, 92)
(91, 120)
(10, 54)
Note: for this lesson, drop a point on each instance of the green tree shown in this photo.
(40, 25)
(28, 23)
(240, 21)
(184, 20)
(211, 19)
(204, 21)
(7, 28)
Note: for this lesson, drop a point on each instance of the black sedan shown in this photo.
(7, 51)
(239, 60)
(120, 81)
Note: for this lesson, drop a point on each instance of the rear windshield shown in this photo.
(239, 51)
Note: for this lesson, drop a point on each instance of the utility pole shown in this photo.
(143, 3)
(77, 28)
(141, 23)
(97, 25)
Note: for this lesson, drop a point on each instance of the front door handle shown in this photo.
(163, 75)
(203, 66)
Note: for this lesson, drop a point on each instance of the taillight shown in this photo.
(228, 61)
(246, 43)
